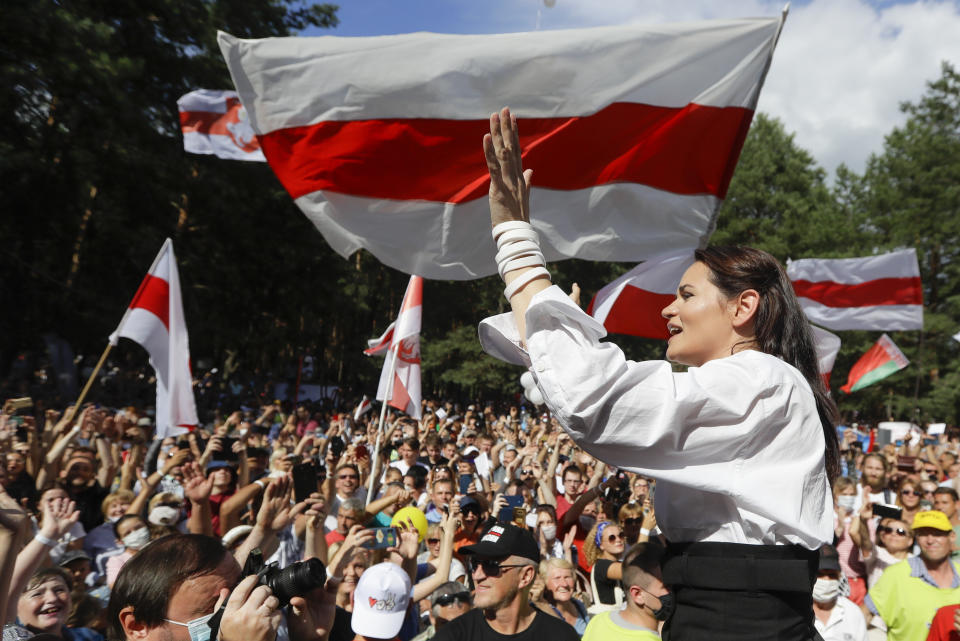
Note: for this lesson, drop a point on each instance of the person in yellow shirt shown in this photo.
(909, 593)
(647, 600)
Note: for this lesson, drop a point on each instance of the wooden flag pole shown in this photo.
(89, 384)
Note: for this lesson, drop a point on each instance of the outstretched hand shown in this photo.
(195, 486)
(509, 183)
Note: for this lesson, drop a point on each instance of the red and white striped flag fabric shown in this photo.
(362, 408)
(875, 292)
(403, 391)
(214, 122)
(155, 320)
(633, 134)
(879, 362)
(631, 304)
(827, 346)
(379, 346)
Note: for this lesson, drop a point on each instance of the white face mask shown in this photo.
(164, 515)
(198, 629)
(137, 539)
(549, 532)
(826, 590)
(847, 502)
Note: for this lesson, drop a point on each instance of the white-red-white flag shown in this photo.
(155, 320)
(379, 346)
(633, 133)
(632, 304)
(214, 122)
(362, 408)
(875, 292)
(403, 390)
(827, 346)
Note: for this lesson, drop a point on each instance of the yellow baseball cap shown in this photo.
(932, 518)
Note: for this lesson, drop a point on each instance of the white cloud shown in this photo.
(841, 69)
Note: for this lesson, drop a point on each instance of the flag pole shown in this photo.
(89, 384)
(383, 415)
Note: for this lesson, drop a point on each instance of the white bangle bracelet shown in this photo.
(520, 263)
(509, 226)
(39, 538)
(514, 235)
(523, 279)
(644, 531)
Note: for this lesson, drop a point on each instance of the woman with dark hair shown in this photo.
(743, 444)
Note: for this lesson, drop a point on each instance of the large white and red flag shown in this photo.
(214, 122)
(875, 292)
(403, 390)
(155, 320)
(633, 133)
(632, 303)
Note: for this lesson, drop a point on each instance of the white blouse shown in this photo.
(736, 445)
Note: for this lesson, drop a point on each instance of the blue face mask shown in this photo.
(199, 629)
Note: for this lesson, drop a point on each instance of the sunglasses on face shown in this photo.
(490, 567)
(909, 493)
(614, 537)
(433, 541)
(448, 599)
(883, 529)
(344, 477)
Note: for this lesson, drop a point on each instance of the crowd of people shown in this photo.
(481, 521)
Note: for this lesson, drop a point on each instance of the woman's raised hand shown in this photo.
(509, 183)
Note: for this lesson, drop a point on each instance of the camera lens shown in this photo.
(294, 580)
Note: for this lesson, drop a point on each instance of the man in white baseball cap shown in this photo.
(380, 601)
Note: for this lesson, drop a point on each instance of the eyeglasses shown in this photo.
(448, 599)
(633, 521)
(490, 567)
(614, 537)
(344, 477)
(910, 493)
(883, 529)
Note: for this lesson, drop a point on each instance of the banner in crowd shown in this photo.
(364, 407)
(875, 292)
(155, 320)
(631, 304)
(403, 389)
(633, 134)
(214, 122)
(880, 361)
(827, 346)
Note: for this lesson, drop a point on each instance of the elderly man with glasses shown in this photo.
(504, 565)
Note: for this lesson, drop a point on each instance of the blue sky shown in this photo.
(841, 68)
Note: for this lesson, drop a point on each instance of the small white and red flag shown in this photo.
(377, 139)
(379, 346)
(827, 346)
(362, 408)
(403, 390)
(155, 320)
(214, 122)
(875, 292)
(632, 304)
(879, 362)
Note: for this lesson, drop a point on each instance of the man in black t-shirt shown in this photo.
(504, 565)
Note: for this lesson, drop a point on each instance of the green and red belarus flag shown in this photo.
(880, 361)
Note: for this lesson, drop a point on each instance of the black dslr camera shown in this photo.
(297, 579)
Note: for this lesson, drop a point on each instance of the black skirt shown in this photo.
(732, 591)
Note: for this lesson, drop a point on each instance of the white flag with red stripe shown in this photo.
(379, 346)
(214, 122)
(827, 346)
(633, 133)
(875, 292)
(155, 320)
(403, 391)
(362, 408)
(631, 304)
